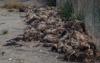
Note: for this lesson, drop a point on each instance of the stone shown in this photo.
(50, 38)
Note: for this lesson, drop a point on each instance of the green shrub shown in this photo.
(66, 9)
(52, 2)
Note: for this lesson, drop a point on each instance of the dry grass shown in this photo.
(13, 5)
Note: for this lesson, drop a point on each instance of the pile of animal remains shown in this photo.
(66, 37)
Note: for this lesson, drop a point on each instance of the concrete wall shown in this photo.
(90, 9)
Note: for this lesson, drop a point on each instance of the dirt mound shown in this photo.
(66, 37)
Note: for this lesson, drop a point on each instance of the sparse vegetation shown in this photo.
(5, 31)
(73, 17)
(79, 16)
(13, 5)
(66, 9)
(11, 10)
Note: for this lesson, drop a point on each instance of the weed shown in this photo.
(66, 9)
(80, 16)
(73, 17)
(11, 10)
(5, 31)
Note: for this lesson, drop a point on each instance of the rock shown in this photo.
(47, 45)
(78, 25)
(41, 26)
(70, 56)
(11, 44)
(43, 17)
(83, 47)
(35, 23)
(97, 55)
(22, 9)
(32, 35)
(50, 38)
(92, 45)
(79, 36)
(60, 32)
(90, 52)
(29, 7)
(61, 47)
(10, 59)
(42, 9)
(51, 21)
(31, 20)
(54, 48)
(49, 31)
(82, 56)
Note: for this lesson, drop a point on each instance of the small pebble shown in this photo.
(10, 59)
